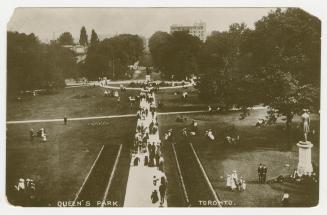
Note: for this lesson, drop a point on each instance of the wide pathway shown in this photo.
(144, 178)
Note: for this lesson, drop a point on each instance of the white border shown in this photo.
(315, 7)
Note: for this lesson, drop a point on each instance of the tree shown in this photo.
(94, 38)
(175, 55)
(83, 40)
(277, 64)
(285, 50)
(158, 45)
(111, 57)
(24, 62)
(225, 77)
(65, 38)
(63, 59)
(291, 40)
(32, 65)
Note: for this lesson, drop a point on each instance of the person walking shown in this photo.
(31, 134)
(162, 192)
(161, 164)
(65, 120)
(154, 196)
(264, 173)
(260, 168)
(157, 158)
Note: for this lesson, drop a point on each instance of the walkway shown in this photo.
(97, 117)
(115, 116)
(70, 119)
(144, 178)
(138, 88)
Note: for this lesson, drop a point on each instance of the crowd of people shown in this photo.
(235, 183)
(111, 93)
(147, 150)
(41, 133)
(231, 136)
(25, 190)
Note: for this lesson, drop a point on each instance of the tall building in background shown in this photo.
(197, 30)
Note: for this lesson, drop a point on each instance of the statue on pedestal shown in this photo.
(305, 165)
(305, 123)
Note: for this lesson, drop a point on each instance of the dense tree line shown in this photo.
(34, 65)
(277, 63)
(110, 57)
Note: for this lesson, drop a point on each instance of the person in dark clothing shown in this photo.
(264, 173)
(31, 134)
(154, 197)
(151, 154)
(162, 192)
(157, 157)
(260, 168)
(161, 164)
(146, 160)
(136, 161)
(163, 181)
(149, 148)
(65, 120)
(151, 127)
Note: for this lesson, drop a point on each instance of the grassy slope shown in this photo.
(66, 102)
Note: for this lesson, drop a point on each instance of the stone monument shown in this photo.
(305, 165)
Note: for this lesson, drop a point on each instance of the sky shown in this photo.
(49, 23)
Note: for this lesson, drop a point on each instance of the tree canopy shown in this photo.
(34, 65)
(111, 57)
(285, 49)
(65, 38)
(94, 38)
(175, 55)
(276, 64)
(83, 39)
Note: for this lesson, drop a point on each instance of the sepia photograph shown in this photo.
(163, 107)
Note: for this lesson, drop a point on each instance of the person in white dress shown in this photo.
(210, 135)
(20, 185)
(229, 182)
(243, 185)
(234, 180)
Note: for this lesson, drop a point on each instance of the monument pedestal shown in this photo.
(304, 165)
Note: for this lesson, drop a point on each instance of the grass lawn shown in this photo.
(171, 100)
(60, 165)
(74, 102)
(257, 145)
